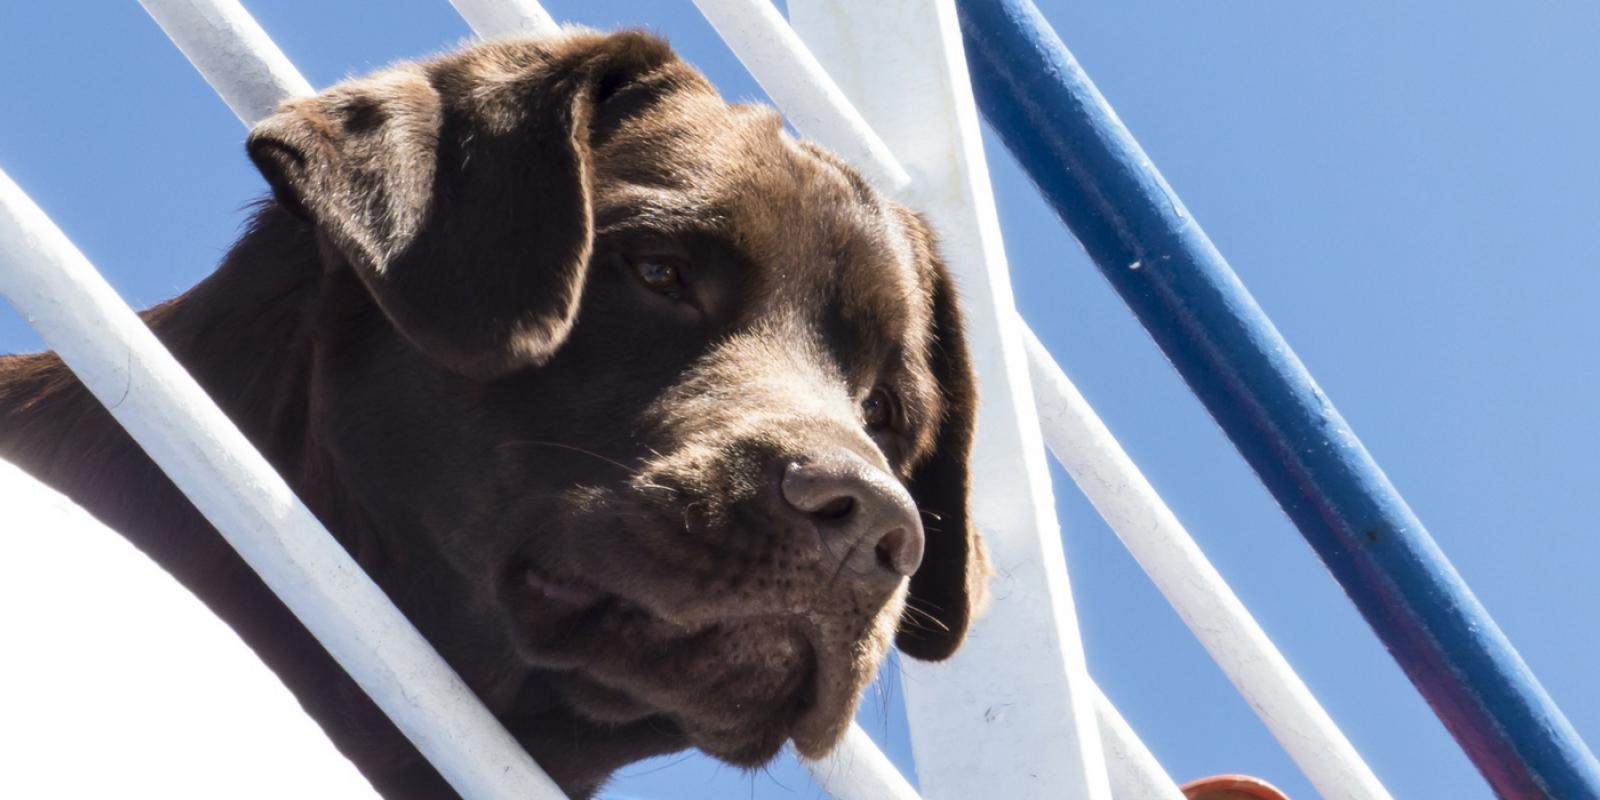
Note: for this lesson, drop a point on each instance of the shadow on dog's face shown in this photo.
(641, 393)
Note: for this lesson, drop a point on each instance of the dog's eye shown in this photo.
(660, 275)
(878, 410)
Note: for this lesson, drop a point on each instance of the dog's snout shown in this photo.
(865, 518)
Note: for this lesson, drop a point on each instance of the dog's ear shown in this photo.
(459, 189)
(949, 588)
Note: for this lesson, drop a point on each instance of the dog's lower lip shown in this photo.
(827, 702)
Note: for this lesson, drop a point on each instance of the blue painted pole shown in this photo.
(1156, 256)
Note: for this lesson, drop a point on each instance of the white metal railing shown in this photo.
(1134, 772)
(1077, 437)
(1169, 555)
(232, 52)
(912, 75)
(497, 18)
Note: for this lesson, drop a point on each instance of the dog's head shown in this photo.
(631, 379)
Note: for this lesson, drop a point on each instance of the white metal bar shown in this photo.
(858, 770)
(231, 50)
(1012, 714)
(118, 359)
(1134, 772)
(492, 19)
(774, 55)
(1169, 555)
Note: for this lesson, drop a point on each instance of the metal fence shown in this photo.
(896, 87)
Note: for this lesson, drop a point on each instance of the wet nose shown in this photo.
(863, 516)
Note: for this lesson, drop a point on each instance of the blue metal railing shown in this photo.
(1156, 256)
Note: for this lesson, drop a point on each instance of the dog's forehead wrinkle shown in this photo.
(900, 243)
(865, 194)
(631, 207)
(688, 139)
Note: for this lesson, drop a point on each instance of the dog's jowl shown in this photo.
(654, 419)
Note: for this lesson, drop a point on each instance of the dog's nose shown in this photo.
(865, 518)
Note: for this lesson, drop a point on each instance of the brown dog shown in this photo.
(643, 411)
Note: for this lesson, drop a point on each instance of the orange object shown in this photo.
(1232, 787)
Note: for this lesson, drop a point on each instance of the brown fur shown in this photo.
(567, 479)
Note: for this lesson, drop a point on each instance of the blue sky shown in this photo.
(1407, 189)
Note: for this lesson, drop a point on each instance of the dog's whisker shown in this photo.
(918, 617)
(656, 725)
(688, 510)
(574, 448)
